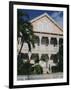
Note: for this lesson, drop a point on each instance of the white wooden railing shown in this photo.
(42, 48)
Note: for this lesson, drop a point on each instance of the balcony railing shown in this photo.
(42, 49)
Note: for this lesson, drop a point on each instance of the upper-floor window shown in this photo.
(45, 41)
(53, 41)
(36, 40)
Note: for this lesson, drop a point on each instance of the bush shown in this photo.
(23, 68)
(37, 69)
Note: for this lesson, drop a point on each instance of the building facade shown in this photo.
(48, 37)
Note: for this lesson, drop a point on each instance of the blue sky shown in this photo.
(56, 15)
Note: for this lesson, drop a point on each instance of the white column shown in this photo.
(49, 39)
(49, 56)
(29, 54)
(40, 47)
(49, 47)
(40, 56)
(49, 66)
(40, 37)
(49, 44)
(57, 40)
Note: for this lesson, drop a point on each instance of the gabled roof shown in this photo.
(45, 14)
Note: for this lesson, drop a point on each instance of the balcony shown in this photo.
(44, 45)
(42, 49)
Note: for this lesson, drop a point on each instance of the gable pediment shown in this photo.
(46, 24)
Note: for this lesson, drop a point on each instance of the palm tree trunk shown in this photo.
(20, 48)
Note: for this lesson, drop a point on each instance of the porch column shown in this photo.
(39, 56)
(57, 40)
(49, 54)
(40, 47)
(29, 54)
(49, 46)
(50, 66)
(49, 39)
(40, 37)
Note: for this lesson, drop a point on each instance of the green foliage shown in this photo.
(60, 56)
(37, 69)
(19, 67)
(24, 68)
(25, 30)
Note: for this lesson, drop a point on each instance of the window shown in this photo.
(45, 41)
(44, 57)
(36, 40)
(35, 57)
(54, 57)
(53, 41)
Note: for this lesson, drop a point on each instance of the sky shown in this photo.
(56, 15)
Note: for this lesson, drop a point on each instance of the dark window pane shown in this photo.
(54, 58)
(45, 41)
(44, 57)
(53, 41)
(35, 57)
(36, 40)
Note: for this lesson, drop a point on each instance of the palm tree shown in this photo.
(25, 30)
(25, 33)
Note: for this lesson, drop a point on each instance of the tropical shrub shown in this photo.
(37, 69)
